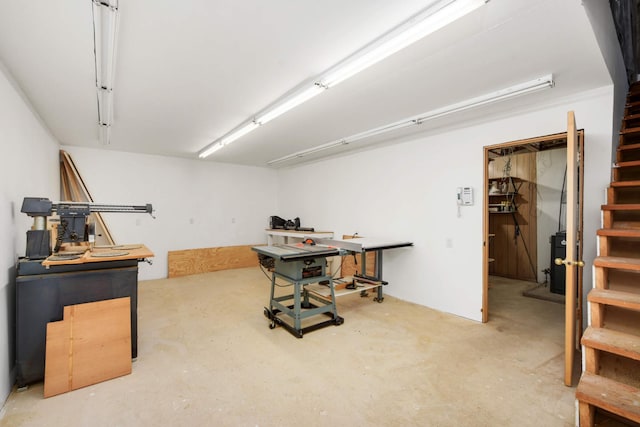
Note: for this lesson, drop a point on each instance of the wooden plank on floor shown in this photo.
(205, 260)
(90, 345)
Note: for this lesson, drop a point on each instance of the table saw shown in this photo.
(305, 263)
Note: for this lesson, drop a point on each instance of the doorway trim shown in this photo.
(528, 145)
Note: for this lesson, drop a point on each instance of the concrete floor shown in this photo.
(206, 356)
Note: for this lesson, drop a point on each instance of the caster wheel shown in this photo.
(272, 325)
(339, 321)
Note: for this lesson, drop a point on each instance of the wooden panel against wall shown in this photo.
(91, 344)
(514, 249)
(205, 260)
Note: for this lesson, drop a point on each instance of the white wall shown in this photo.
(407, 191)
(550, 173)
(197, 204)
(29, 168)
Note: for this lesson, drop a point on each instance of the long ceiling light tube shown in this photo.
(510, 92)
(290, 103)
(210, 149)
(105, 30)
(104, 132)
(435, 17)
(228, 139)
(261, 119)
(239, 133)
(105, 107)
(343, 141)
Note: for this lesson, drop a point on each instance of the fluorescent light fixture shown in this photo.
(239, 133)
(435, 17)
(105, 107)
(105, 21)
(510, 92)
(215, 146)
(343, 141)
(105, 30)
(105, 134)
(290, 103)
(261, 119)
(210, 150)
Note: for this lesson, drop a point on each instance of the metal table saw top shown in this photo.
(298, 251)
(364, 244)
(327, 247)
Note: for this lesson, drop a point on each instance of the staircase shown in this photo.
(609, 389)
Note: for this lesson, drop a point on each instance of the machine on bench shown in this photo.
(45, 284)
(73, 226)
(305, 263)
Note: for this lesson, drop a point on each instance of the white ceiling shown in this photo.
(190, 71)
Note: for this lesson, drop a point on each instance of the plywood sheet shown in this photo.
(91, 344)
(205, 260)
(121, 252)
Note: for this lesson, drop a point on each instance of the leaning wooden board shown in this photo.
(118, 252)
(90, 345)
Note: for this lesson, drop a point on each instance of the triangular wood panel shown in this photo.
(73, 189)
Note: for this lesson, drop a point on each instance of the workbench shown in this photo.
(362, 246)
(298, 235)
(43, 288)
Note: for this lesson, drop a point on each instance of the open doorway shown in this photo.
(525, 215)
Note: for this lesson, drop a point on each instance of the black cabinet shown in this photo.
(42, 293)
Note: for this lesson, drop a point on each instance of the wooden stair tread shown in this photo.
(595, 391)
(631, 104)
(621, 207)
(629, 146)
(610, 395)
(630, 130)
(619, 232)
(629, 164)
(626, 183)
(621, 299)
(611, 341)
(617, 262)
